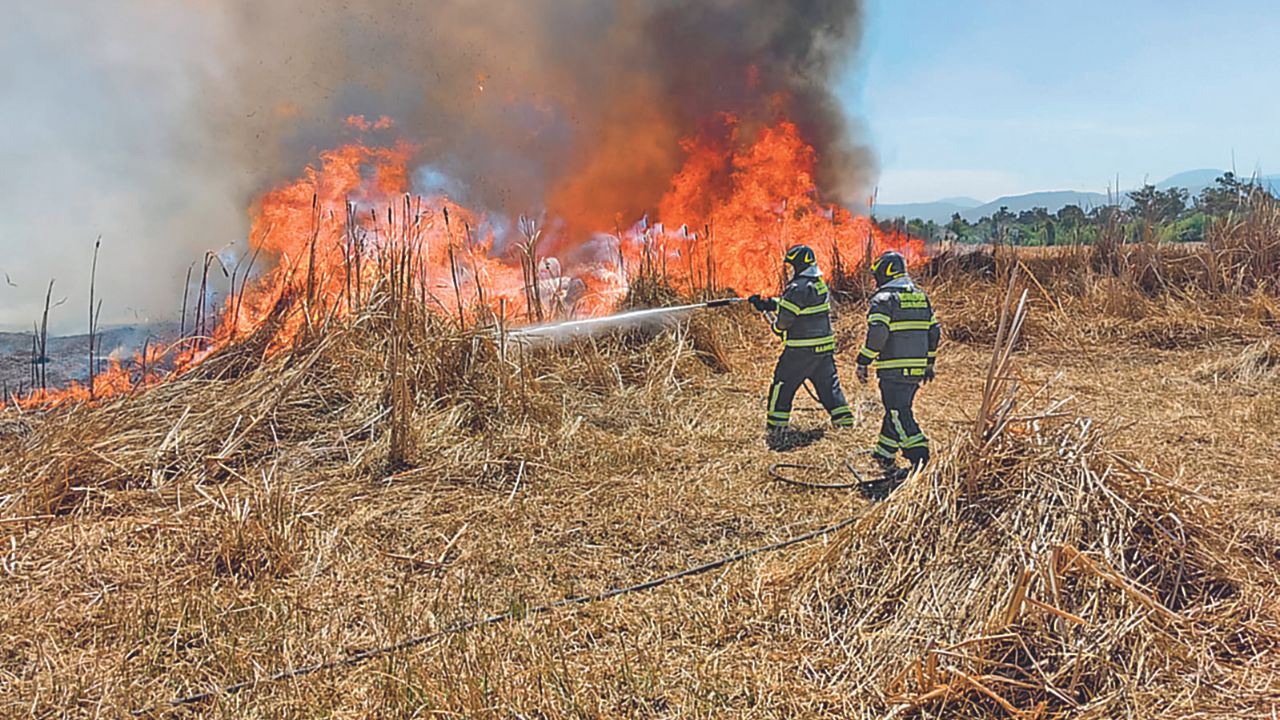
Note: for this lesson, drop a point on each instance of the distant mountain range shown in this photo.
(940, 211)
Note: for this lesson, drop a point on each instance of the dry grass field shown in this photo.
(1106, 546)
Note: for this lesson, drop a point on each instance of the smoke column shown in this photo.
(578, 105)
(99, 135)
(575, 108)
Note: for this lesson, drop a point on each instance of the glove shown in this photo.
(763, 304)
(864, 373)
(929, 375)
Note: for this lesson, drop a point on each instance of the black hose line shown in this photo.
(361, 656)
(776, 468)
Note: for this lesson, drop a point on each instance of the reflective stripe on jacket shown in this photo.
(804, 314)
(902, 332)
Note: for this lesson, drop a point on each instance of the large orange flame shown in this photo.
(740, 199)
(741, 205)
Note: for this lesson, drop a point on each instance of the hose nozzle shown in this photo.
(724, 302)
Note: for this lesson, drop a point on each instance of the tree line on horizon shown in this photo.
(1170, 215)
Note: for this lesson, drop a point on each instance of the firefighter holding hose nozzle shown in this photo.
(902, 341)
(804, 325)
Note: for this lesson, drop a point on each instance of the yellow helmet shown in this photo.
(800, 257)
(888, 266)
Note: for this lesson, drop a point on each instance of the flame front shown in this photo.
(325, 240)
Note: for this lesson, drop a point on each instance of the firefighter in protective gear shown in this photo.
(804, 326)
(902, 342)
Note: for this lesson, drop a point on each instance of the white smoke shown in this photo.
(97, 140)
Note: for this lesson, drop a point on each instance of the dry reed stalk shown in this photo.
(712, 284)
(95, 347)
(237, 297)
(482, 304)
(453, 273)
(186, 292)
(43, 337)
(204, 311)
(35, 356)
(309, 295)
(992, 417)
(93, 326)
(529, 266)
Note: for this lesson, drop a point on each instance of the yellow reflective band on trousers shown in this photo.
(810, 342)
(915, 441)
(897, 425)
(777, 418)
(902, 363)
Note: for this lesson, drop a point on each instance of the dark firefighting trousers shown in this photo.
(795, 366)
(899, 431)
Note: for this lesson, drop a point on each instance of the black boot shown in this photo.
(776, 438)
(888, 480)
(918, 458)
(884, 464)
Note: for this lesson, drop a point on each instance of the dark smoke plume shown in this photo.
(156, 123)
(577, 106)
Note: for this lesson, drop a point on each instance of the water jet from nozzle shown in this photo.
(590, 326)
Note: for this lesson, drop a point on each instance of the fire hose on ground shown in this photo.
(362, 656)
(775, 472)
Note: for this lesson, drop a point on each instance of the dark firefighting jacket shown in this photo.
(804, 314)
(902, 332)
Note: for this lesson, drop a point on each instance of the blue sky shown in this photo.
(999, 97)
